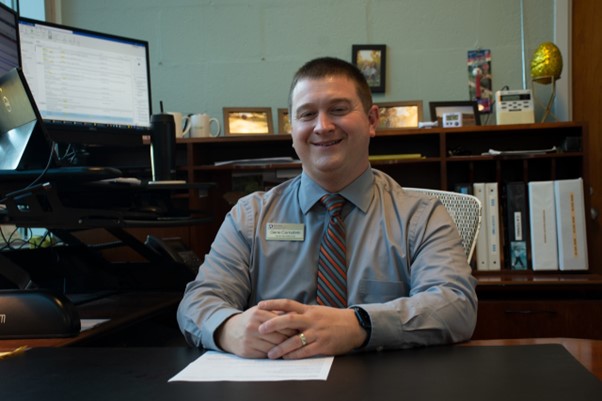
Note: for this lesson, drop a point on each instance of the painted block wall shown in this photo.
(209, 54)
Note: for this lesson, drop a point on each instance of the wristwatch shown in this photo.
(365, 323)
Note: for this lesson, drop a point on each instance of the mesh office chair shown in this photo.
(465, 210)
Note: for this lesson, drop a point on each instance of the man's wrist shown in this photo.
(220, 336)
(363, 318)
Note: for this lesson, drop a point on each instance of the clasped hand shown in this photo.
(272, 330)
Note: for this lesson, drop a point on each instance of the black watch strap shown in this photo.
(363, 319)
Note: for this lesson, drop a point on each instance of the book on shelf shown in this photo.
(481, 254)
(394, 157)
(519, 152)
(263, 161)
(515, 213)
(542, 226)
(570, 224)
(492, 213)
(464, 188)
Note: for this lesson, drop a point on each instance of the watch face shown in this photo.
(363, 318)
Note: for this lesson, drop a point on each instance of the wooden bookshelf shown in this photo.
(448, 157)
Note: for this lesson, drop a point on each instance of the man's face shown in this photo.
(330, 129)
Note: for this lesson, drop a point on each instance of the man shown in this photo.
(405, 280)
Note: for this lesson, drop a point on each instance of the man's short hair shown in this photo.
(329, 66)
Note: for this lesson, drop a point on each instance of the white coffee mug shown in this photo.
(182, 124)
(201, 126)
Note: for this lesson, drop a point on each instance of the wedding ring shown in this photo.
(303, 339)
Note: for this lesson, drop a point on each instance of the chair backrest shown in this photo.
(465, 210)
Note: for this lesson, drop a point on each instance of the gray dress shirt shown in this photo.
(406, 264)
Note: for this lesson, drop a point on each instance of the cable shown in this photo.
(39, 177)
(48, 163)
(9, 244)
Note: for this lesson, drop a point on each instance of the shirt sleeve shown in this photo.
(222, 286)
(442, 303)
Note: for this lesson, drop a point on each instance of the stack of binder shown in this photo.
(545, 219)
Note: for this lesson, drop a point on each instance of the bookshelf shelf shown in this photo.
(458, 159)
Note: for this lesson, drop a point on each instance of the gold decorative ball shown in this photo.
(546, 63)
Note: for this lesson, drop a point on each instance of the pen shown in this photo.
(16, 351)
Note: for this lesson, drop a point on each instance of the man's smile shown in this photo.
(329, 143)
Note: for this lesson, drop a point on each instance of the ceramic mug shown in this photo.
(182, 124)
(201, 126)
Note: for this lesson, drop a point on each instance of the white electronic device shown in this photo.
(452, 120)
(514, 107)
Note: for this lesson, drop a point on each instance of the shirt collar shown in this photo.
(359, 192)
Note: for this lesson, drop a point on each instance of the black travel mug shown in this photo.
(163, 147)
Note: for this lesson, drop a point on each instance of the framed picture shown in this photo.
(372, 62)
(284, 124)
(468, 109)
(248, 121)
(396, 115)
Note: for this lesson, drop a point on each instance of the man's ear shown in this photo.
(373, 118)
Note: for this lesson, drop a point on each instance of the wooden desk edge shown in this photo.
(588, 352)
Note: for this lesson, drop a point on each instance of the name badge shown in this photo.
(285, 232)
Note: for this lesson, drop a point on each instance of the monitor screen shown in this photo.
(23, 142)
(9, 40)
(91, 88)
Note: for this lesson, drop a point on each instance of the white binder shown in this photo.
(493, 225)
(482, 259)
(542, 224)
(570, 221)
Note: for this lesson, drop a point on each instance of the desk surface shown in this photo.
(588, 352)
(530, 372)
(123, 310)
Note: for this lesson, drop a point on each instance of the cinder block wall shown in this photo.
(209, 54)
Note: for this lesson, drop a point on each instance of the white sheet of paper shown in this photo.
(88, 324)
(218, 366)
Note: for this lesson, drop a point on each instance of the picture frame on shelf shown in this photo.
(284, 123)
(396, 115)
(248, 121)
(468, 109)
(372, 62)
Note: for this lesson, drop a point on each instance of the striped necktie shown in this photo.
(332, 264)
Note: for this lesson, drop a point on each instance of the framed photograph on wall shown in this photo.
(372, 62)
(248, 121)
(395, 115)
(467, 108)
(284, 123)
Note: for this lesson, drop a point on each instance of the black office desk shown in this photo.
(512, 373)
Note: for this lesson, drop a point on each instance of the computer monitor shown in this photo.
(23, 142)
(91, 88)
(9, 40)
